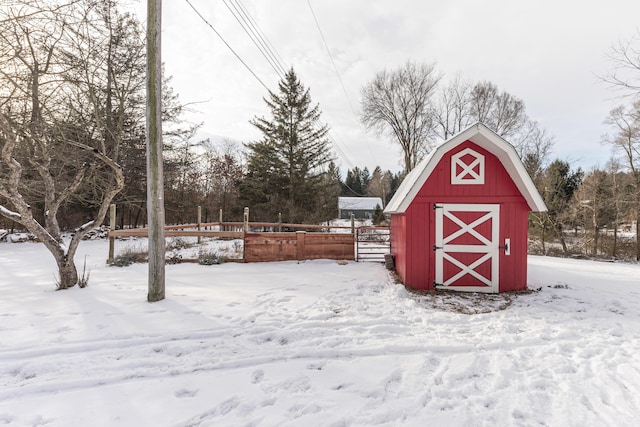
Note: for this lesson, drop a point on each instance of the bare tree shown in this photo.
(221, 176)
(380, 185)
(500, 111)
(617, 181)
(453, 108)
(534, 146)
(625, 119)
(400, 102)
(625, 58)
(460, 104)
(625, 123)
(593, 203)
(50, 150)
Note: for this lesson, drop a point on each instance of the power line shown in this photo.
(335, 68)
(255, 37)
(324, 41)
(274, 55)
(227, 44)
(250, 27)
(340, 152)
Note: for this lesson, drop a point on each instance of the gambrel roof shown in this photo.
(484, 137)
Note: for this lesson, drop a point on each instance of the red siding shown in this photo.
(513, 267)
(413, 234)
(497, 182)
(399, 243)
(419, 272)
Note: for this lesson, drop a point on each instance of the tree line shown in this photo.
(589, 213)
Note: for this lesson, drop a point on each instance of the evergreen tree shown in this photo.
(378, 215)
(365, 178)
(331, 187)
(560, 184)
(356, 182)
(284, 168)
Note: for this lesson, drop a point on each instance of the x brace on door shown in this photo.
(469, 240)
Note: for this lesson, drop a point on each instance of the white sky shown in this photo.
(548, 53)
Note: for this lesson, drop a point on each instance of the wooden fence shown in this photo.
(263, 241)
(264, 247)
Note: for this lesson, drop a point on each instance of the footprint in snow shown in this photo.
(393, 383)
(182, 393)
(228, 405)
(257, 376)
(316, 366)
(38, 420)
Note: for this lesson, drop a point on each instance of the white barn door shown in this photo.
(467, 247)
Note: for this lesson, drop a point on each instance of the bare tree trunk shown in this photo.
(638, 233)
(614, 250)
(68, 272)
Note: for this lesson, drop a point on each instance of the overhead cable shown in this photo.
(344, 89)
(272, 49)
(255, 37)
(227, 44)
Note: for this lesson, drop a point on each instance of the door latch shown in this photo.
(506, 247)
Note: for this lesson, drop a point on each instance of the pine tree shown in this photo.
(284, 168)
(378, 216)
(331, 187)
(356, 182)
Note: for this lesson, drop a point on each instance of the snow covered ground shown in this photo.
(314, 344)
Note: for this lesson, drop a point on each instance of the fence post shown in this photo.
(353, 225)
(199, 221)
(300, 237)
(220, 227)
(279, 222)
(246, 219)
(112, 227)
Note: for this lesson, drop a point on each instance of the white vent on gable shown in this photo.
(467, 167)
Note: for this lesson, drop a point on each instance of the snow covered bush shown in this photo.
(209, 258)
(130, 256)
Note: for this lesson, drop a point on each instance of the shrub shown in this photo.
(209, 258)
(130, 256)
(174, 257)
(178, 243)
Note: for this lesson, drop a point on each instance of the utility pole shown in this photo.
(155, 187)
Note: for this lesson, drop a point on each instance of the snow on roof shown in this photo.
(359, 203)
(483, 137)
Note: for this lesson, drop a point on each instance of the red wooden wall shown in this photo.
(413, 233)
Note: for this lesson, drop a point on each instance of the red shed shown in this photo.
(459, 219)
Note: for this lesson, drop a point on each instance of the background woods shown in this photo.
(72, 140)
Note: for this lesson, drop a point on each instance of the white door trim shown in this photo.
(490, 248)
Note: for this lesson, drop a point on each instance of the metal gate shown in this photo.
(372, 243)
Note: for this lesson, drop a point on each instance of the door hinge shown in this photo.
(435, 248)
(436, 284)
(435, 206)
